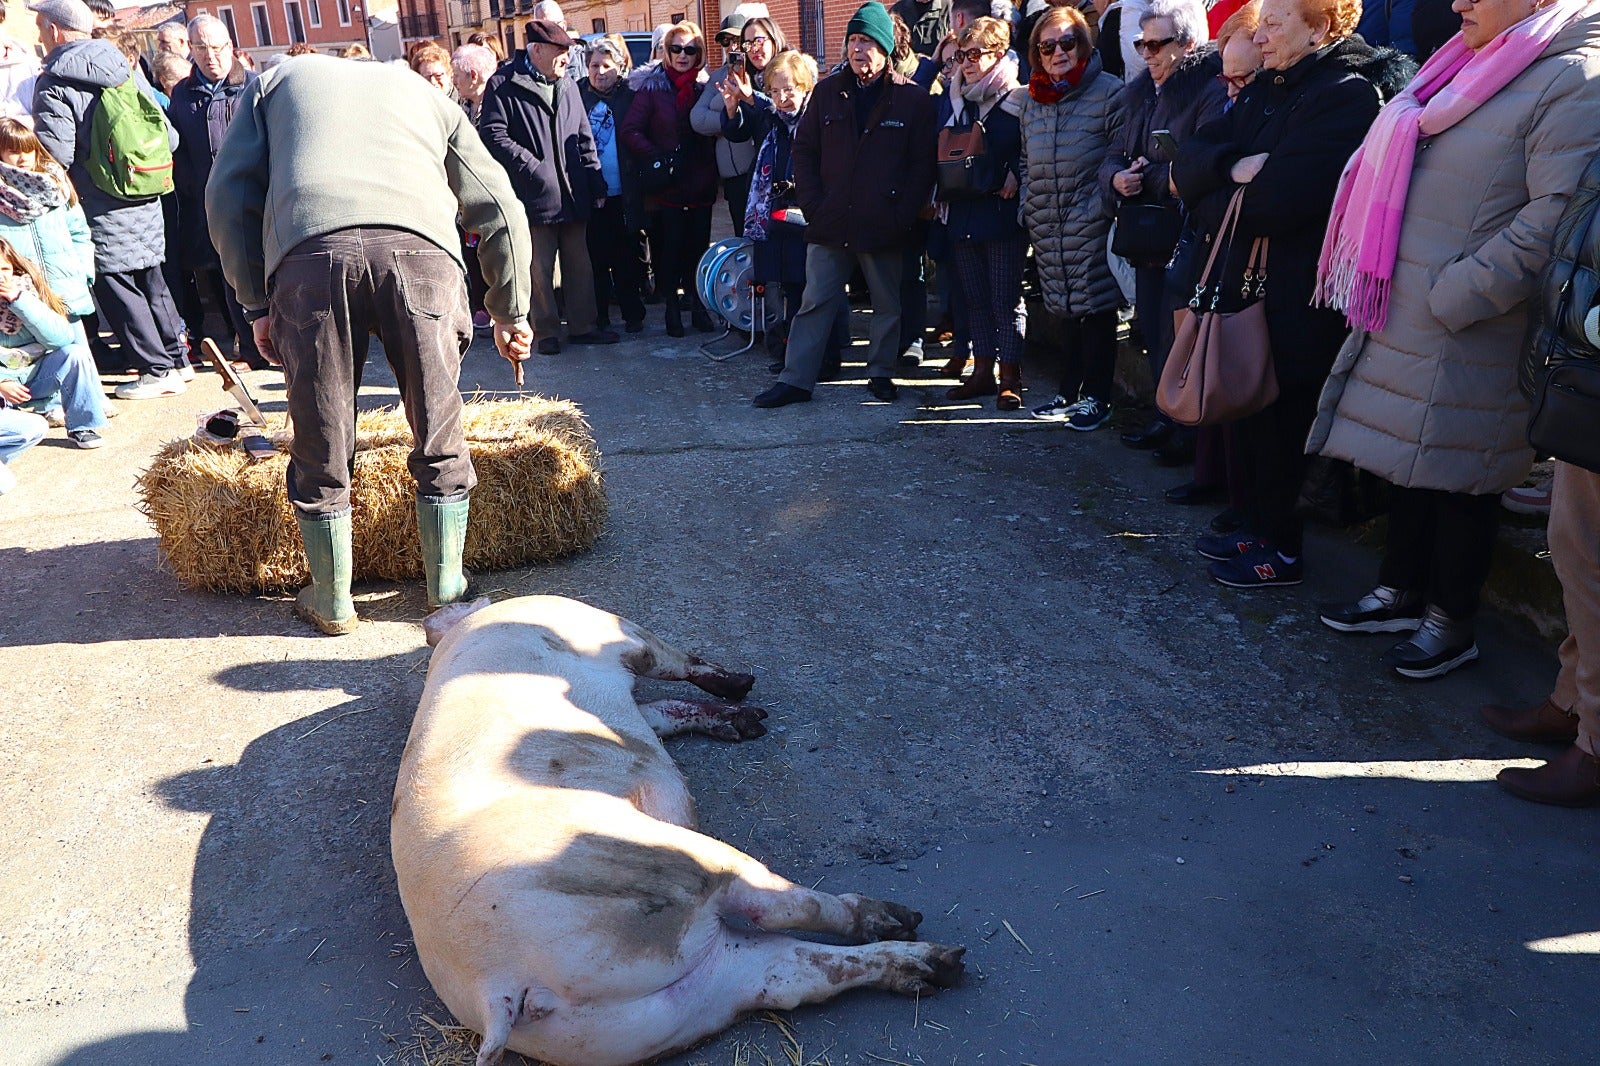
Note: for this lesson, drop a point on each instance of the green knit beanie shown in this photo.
(872, 20)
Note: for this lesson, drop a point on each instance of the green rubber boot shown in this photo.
(442, 525)
(326, 603)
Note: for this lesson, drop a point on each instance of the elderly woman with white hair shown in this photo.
(616, 227)
(1176, 93)
(471, 67)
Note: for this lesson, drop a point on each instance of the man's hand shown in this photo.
(513, 339)
(1245, 170)
(261, 330)
(599, 202)
(14, 392)
(1008, 190)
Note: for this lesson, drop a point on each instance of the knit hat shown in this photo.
(871, 19)
(68, 14)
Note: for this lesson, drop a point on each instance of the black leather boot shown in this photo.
(674, 316)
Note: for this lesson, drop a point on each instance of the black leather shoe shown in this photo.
(594, 336)
(549, 346)
(1190, 493)
(1227, 521)
(781, 395)
(883, 389)
(1151, 436)
(634, 326)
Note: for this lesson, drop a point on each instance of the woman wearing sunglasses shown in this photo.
(657, 130)
(1069, 120)
(1177, 92)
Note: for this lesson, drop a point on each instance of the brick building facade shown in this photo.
(267, 27)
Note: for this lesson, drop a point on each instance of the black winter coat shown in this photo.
(550, 156)
(1569, 287)
(657, 126)
(863, 191)
(1309, 119)
(988, 218)
(201, 115)
(1190, 98)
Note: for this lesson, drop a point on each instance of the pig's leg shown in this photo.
(775, 903)
(655, 658)
(725, 721)
(743, 972)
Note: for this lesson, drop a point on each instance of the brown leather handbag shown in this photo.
(1220, 366)
(966, 169)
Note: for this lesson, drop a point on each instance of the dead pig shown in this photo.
(561, 901)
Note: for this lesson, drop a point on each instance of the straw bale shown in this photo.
(225, 523)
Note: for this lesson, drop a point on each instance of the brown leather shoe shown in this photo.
(1544, 724)
(953, 367)
(981, 383)
(1010, 395)
(1571, 779)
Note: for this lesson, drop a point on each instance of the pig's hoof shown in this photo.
(932, 967)
(733, 686)
(878, 919)
(739, 723)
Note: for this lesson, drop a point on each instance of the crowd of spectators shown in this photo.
(1131, 166)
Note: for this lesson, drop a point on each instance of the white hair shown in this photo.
(200, 22)
(173, 27)
(1188, 19)
(658, 35)
(474, 57)
(549, 9)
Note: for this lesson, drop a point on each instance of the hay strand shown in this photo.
(225, 524)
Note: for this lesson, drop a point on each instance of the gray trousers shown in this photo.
(325, 298)
(828, 270)
(571, 241)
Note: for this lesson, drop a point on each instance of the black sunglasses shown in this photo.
(973, 54)
(1068, 42)
(1150, 48)
(684, 49)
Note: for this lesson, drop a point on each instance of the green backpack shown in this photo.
(129, 156)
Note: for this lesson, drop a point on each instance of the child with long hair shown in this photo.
(42, 353)
(40, 216)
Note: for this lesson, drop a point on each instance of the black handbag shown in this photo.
(657, 172)
(1566, 414)
(1146, 234)
(967, 170)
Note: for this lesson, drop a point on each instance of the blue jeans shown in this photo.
(69, 371)
(19, 431)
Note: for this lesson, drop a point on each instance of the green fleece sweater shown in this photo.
(322, 144)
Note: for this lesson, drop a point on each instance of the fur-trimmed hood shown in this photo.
(1388, 70)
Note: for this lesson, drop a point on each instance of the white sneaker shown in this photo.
(1057, 410)
(56, 417)
(151, 386)
(186, 372)
(8, 480)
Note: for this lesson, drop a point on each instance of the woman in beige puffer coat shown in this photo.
(1429, 401)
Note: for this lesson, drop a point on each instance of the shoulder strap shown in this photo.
(1224, 236)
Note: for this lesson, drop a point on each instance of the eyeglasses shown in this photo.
(751, 42)
(1150, 48)
(969, 55)
(200, 46)
(1067, 42)
(1235, 81)
(729, 44)
(684, 49)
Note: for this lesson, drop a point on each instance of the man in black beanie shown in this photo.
(863, 171)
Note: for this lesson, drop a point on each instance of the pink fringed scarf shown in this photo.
(1363, 237)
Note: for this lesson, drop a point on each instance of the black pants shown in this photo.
(477, 288)
(1089, 356)
(325, 297)
(736, 191)
(616, 256)
(1440, 544)
(1273, 443)
(136, 306)
(217, 298)
(1155, 316)
(682, 236)
(914, 288)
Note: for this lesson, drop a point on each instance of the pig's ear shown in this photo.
(442, 621)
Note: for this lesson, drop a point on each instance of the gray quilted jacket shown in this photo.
(1063, 145)
(128, 234)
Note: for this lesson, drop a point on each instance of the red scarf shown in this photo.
(1042, 89)
(683, 84)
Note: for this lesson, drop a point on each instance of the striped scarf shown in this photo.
(1356, 267)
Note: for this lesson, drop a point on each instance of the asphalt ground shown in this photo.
(1171, 822)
